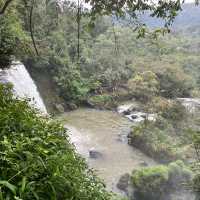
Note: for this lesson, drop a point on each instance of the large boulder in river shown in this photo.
(140, 116)
(94, 154)
(72, 106)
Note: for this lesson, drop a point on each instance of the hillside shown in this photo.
(187, 20)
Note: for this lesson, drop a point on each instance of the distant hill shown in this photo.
(188, 19)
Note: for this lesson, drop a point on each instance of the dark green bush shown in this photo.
(36, 159)
(175, 83)
(155, 183)
(12, 37)
(102, 101)
(175, 111)
(144, 86)
(150, 182)
(153, 140)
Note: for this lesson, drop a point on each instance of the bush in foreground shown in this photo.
(36, 159)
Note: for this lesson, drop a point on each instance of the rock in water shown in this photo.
(123, 182)
(144, 164)
(125, 108)
(72, 106)
(94, 154)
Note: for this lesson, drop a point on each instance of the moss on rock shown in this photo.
(155, 183)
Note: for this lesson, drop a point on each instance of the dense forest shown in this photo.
(100, 56)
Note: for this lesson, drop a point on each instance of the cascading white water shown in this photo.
(23, 84)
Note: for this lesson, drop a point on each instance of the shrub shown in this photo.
(159, 104)
(175, 83)
(175, 111)
(196, 168)
(152, 139)
(149, 182)
(165, 140)
(71, 85)
(11, 37)
(36, 159)
(102, 101)
(154, 183)
(144, 86)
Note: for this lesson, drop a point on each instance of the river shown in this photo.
(105, 132)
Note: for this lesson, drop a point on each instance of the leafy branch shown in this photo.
(5, 6)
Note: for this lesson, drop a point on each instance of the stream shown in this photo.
(104, 133)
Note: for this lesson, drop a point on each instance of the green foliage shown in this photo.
(71, 85)
(37, 161)
(166, 139)
(157, 182)
(109, 54)
(144, 86)
(196, 167)
(174, 112)
(150, 182)
(164, 10)
(154, 140)
(106, 62)
(175, 83)
(12, 37)
(102, 101)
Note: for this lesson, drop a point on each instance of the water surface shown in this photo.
(106, 132)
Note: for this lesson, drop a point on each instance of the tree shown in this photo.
(196, 180)
(166, 10)
(163, 9)
(144, 86)
(12, 36)
(5, 5)
(175, 83)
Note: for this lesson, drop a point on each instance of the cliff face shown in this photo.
(47, 89)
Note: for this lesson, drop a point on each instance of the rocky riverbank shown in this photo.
(101, 136)
(157, 136)
(164, 135)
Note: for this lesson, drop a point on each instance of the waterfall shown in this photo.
(23, 84)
